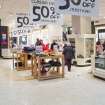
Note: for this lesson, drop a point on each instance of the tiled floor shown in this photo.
(78, 87)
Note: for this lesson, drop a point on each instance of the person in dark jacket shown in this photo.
(68, 55)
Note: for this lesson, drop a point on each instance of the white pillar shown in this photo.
(81, 25)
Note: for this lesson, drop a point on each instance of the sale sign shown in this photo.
(43, 11)
(23, 20)
(77, 7)
(21, 31)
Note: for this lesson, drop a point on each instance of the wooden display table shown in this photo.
(37, 67)
(21, 61)
(52, 72)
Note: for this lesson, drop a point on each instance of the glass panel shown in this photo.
(80, 45)
(89, 47)
(100, 63)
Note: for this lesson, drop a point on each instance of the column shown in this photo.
(81, 25)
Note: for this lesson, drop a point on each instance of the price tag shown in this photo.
(77, 7)
(43, 11)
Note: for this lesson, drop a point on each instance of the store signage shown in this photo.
(43, 11)
(23, 20)
(19, 32)
(77, 7)
(23, 25)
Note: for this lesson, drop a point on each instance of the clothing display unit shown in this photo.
(84, 48)
(98, 66)
(42, 66)
(54, 70)
(22, 61)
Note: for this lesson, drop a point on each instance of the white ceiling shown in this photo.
(8, 8)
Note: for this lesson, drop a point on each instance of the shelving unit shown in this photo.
(99, 67)
(84, 48)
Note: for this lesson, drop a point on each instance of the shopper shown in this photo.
(99, 48)
(38, 42)
(54, 45)
(65, 45)
(68, 55)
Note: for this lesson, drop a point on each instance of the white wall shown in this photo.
(55, 32)
(81, 25)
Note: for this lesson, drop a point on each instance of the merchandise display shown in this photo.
(20, 61)
(43, 66)
(51, 52)
(98, 66)
(87, 43)
(52, 69)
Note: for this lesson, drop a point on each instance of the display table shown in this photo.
(52, 71)
(21, 61)
(53, 65)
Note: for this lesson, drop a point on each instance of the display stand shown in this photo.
(84, 48)
(21, 61)
(98, 66)
(53, 71)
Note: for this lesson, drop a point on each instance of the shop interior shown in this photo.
(18, 41)
(21, 42)
(34, 53)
